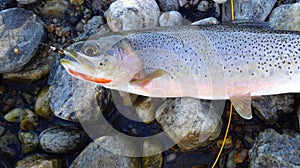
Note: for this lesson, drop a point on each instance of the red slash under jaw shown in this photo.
(89, 78)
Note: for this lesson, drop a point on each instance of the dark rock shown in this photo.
(168, 5)
(21, 33)
(272, 149)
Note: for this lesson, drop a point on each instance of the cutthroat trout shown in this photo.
(207, 62)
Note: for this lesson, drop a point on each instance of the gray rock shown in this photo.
(190, 123)
(60, 140)
(182, 2)
(256, 10)
(286, 17)
(172, 18)
(168, 5)
(269, 108)
(21, 33)
(106, 152)
(203, 6)
(40, 161)
(272, 149)
(76, 100)
(132, 14)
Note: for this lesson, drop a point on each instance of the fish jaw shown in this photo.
(75, 70)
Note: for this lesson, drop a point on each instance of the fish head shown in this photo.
(110, 61)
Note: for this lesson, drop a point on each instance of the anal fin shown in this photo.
(242, 104)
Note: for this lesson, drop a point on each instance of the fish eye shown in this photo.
(91, 49)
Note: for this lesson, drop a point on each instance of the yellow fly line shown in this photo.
(230, 111)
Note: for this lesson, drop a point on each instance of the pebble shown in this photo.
(39, 161)
(240, 156)
(76, 2)
(145, 109)
(20, 29)
(172, 18)
(106, 151)
(190, 123)
(41, 104)
(13, 115)
(54, 8)
(272, 149)
(62, 139)
(269, 108)
(73, 99)
(168, 5)
(228, 143)
(132, 14)
(206, 21)
(286, 17)
(29, 141)
(152, 153)
(256, 10)
(29, 120)
(203, 6)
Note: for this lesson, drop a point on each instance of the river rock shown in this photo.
(9, 144)
(29, 120)
(152, 153)
(269, 108)
(168, 5)
(286, 17)
(256, 10)
(39, 161)
(132, 14)
(76, 100)
(13, 115)
(29, 141)
(60, 139)
(21, 33)
(41, 104)
(107, 151)
(52, 8)
(203, 6)
(172, 18)
(191, 123)
(272, 149)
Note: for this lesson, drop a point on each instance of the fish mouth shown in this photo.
(82, 69)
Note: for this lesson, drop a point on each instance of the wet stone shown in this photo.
(132, 14)
(29, 141)
(269, 108)
(21, 30)
(76, 100)
(13, 115)
(29, 120)
(190, 123)
(168, 5)
(272, 149)
(286, 17)
(256, 10)
(172, 18)
(41, 105)
(39, 161)
(60, 139)
(107, 151)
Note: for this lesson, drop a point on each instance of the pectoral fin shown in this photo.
(145, 80)
(242, 104)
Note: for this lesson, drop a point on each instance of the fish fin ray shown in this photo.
(147, 79)
(242, 104)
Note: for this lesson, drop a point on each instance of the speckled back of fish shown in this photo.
(237, 59)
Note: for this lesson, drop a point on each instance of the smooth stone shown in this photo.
(94, 23)
(190, 123)
(62, 140)
(152, 153)
(206, 21)
(203, 6)
(132, 14)
(76, 100)
(168, 5)
(54, 8)
(172, 18)
(21, 33)
(182, 2)
(286, 17)
(9, 144)
(256, 10)
(220, 1)
(145, 108)
(41, 104)
(39, 161)
(76, 2)
(240, 156)
(269, 108)
(272, 149)
(13, 115)
(29, 141)
(98, 154)
(29, 120)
